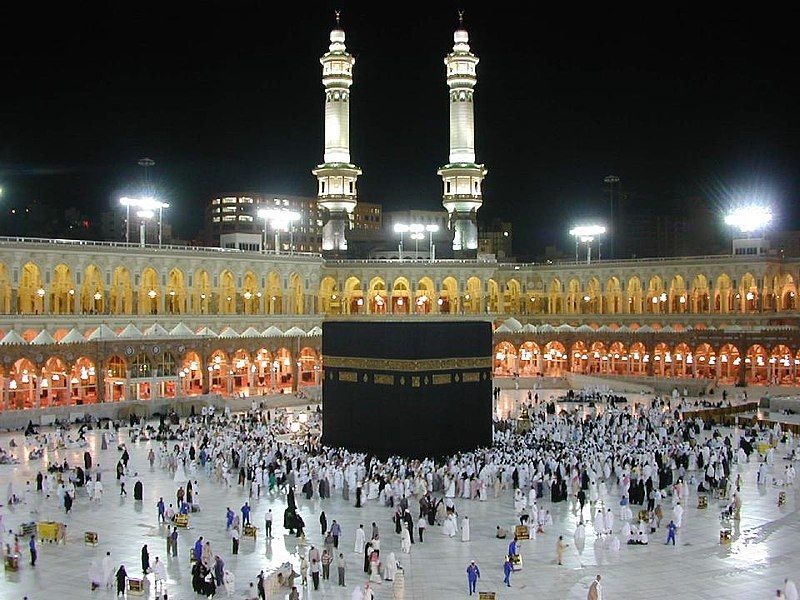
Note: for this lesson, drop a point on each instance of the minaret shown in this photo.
(462, 176)
(336, 176)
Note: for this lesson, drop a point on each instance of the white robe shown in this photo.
(599, 523)
(677, 515)
(405, 541)
(391, 567)
(465, 529)
(360, 541)
(449, 528)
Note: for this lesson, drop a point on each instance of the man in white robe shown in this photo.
(677, 514)
(360, 540)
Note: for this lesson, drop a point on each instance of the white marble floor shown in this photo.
(766, 547)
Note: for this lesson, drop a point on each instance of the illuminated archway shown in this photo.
(149, 293)
(54, 383)
(22, 385)
(226, 293)
(31, 291)
(617, 359)
(241, 373)
(529, 359)
(613, 296)
(493, 299)
(121, 292)
(638, 359)
(682, 360)
(283, 365)
(505, 359)
(574, 296)
(330, 300)
(473, 297)
(677, 295)
(251, 294)
(354, 296)
(723, 294)
(555, 297)
(781, 366)
(5, 290)
(656, 296)
(512, 299)
(401, 296)
(93, 298)
(579, 357)
(274, 294)
(555, 359)
(219, 373)
(83, 382)
(424, 296)
(62, 291)
(309, 367)
(700, 295)
(378, 297)
(201, 292)
(729, 363)
(191, 374)
(598, 358)
(298, 294)
(448, 296)
(176, 293)
(756, 365)
(635, 295)
(705, 362)
(116, 378)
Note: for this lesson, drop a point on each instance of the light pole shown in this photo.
(749, 219)
(611, 180)
(279, 220)
(400, 228)
(586, 234)
(416, 236)
(431, 229)
(145, 204)
(143, 215)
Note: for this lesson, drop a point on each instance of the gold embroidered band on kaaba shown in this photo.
(407, 366)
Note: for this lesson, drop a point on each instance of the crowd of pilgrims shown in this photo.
(647, 450)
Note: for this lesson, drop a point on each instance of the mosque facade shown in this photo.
(89, 322)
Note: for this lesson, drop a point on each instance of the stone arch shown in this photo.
(201, 292)
(449, 296)
(634, 293)
(781, 366)
(512, 299)
(121, 292)
(594, 293)
(723, 294)
(555, 359)
(378, 296)
(31, 290)
(613, 296)
(574, 296)
(473, 296)
(505, 359)
(401, 296)
(353, 296)
(748, 294)
(62, 291)
(493, 299)
(92, 291)
(656, 301)
(705, 361)
(729, 363)
(330, 300)
(677, 294)
(424, 296)
(273, 300)
(176, 292)
(700, 299)
(529, 354)
(226, 293)
(555, 296)
(5, 290)
(297, 290)
(579, 357)
(149, 293)
(756, 365)
(617, 359)
(251, 294)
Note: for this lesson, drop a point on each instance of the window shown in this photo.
(245, 200)
(229, 209)
(247, 218)
(228, 218)
(447, 185)
(216, 201)
(229, 200)
(351, 187)
(215, 219)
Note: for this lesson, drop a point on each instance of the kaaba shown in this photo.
(415, 389)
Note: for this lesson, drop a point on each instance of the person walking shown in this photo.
(161, 509)
(560, 545)
(336, 531)
(422, 524)
(268, 523)
(507, 568)
(473, 574)
(174, 541)
(671, 533)
(315, 573)
(235, 540)
(340, 567)
(145, 560)
(327, 559)
(595, 591)
(32, 546)
(246, 514)
(323, 523)
(121, 575)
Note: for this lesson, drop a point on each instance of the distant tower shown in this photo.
(336, 176)
(462, 177)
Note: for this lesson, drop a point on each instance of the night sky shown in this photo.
(227, 97)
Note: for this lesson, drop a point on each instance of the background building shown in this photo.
(496, 238)
(237, 213)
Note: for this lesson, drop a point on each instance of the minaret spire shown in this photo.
(462, 176)
(336, 176)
